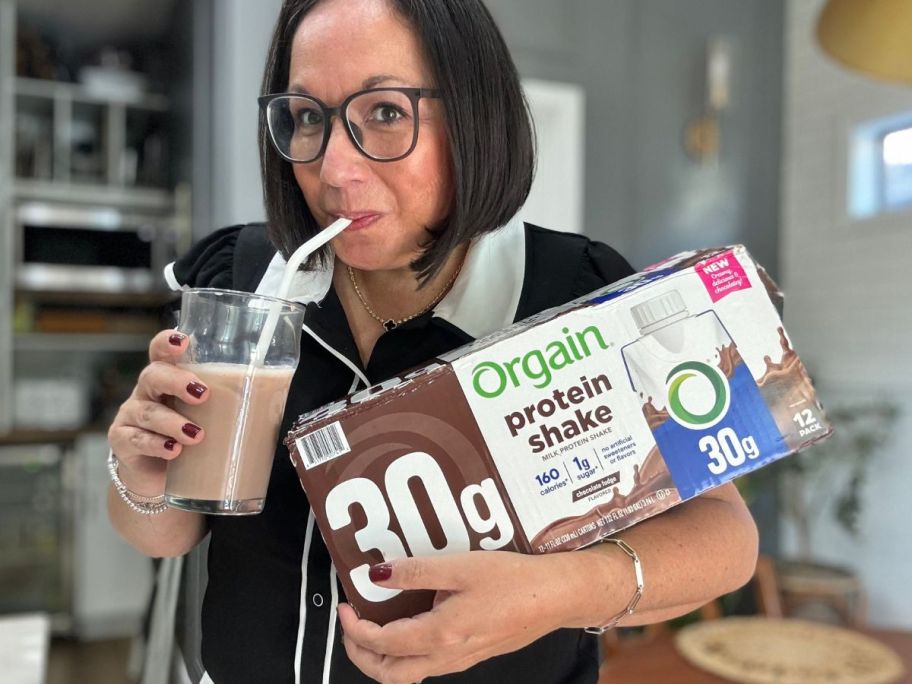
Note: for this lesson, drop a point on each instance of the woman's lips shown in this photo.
(360, 221)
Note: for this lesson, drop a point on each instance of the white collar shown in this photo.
(484, 297)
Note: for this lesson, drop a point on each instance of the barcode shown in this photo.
(323, 445)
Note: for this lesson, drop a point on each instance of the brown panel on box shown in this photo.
(416, 481)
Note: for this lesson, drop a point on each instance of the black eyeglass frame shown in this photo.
(413, 94)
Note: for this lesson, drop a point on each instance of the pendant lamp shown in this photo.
(870, 36)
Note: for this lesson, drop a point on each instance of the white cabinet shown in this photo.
(112, 582)
(58, 552)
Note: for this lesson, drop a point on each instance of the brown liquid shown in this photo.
(234, 460)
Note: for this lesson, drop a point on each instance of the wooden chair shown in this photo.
(766, 587)
(823, 593)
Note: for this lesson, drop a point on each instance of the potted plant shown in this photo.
(827, 478)
(831, 475)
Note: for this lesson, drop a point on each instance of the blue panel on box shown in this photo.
(744, 439)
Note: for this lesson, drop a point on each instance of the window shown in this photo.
(880, 167)
(897, 169)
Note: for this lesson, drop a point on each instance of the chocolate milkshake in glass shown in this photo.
(228, 472)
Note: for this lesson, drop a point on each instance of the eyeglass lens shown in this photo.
(381, 122)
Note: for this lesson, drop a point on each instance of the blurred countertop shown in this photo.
(24, 647)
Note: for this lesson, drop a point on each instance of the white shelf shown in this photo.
(75, 193)
(36, 87)
(80, 342)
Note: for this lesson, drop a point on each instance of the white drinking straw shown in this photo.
(294, 262)
(258, 356)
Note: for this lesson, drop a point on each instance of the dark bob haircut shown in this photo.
(487, 120)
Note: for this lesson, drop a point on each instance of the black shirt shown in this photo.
(270, 605)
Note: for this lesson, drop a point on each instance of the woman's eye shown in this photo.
(309, 117)
(388, 113)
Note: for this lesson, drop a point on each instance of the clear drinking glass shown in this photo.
(228, 472)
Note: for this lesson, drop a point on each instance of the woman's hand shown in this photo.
(487, 603)
(147, 433)
(493, 602)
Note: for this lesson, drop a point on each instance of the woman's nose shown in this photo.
(342, 162)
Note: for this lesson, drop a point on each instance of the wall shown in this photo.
(678, 203)
(584, 42)
(848, 300)
(240, 37)
(641, 63)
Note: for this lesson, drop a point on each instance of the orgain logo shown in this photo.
(698, 395)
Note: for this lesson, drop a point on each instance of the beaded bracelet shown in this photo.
(145, 505)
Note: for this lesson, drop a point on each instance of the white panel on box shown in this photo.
(558, 112)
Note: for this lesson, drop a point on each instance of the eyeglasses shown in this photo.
(381, 122)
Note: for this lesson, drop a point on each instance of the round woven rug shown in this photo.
(757, 650)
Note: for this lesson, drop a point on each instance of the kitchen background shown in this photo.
(127, 129)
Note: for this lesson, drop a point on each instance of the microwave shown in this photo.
(68, 247)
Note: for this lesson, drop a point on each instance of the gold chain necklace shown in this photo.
(389, 323)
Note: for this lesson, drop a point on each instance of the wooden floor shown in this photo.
(657, 661)
(84, 662)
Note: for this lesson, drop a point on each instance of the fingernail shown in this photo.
(176, 339)
(196, 389)
(191, 430)
(170, 444)
(380, 572)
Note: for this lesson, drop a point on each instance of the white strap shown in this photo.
(157, 665)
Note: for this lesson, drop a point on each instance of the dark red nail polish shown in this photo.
(380, 572)
(191, 430)
(170, 444)
(196, 389)
(176, 339)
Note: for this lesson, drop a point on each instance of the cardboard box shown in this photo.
(561, 429)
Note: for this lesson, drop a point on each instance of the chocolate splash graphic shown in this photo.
(788, 364)
(727, 361)
(729, 358)
(655, 418)
(787, 389)
(653, 468)
(652, 493)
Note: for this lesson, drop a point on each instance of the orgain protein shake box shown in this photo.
(561, 429)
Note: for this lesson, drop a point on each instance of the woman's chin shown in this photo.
(371, 257)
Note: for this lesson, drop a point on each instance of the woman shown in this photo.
(435, 156)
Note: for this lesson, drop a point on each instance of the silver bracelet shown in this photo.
(145, 505)
(637, 595)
